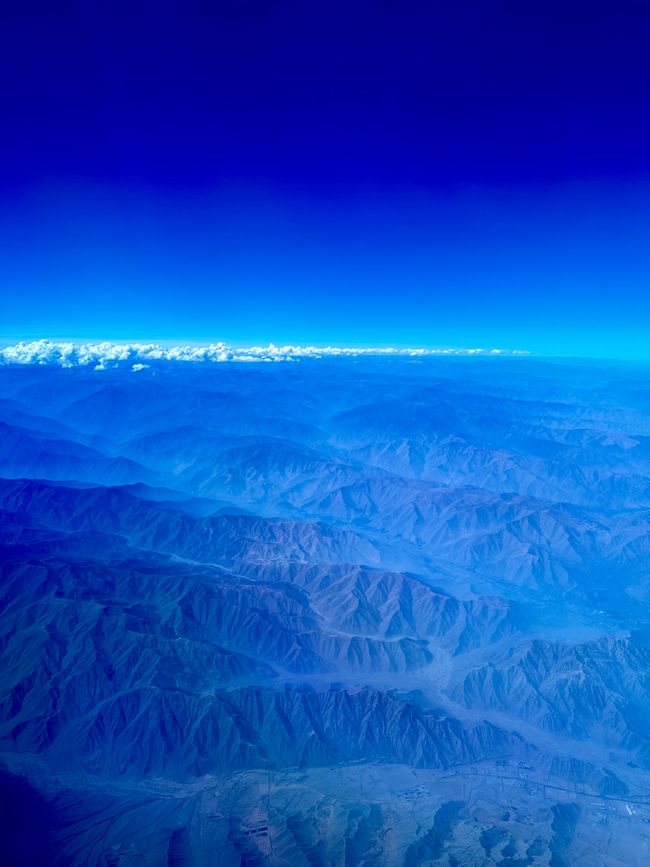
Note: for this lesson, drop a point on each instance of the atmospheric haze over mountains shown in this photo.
(360, 610)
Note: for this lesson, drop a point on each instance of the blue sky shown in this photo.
(471, 174)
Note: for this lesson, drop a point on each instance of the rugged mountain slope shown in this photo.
(27, 452)
(331, 612)
(596, 690)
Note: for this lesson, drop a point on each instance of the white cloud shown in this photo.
(140, 355)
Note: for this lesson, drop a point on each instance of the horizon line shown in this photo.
(141, 353)
(103, 353)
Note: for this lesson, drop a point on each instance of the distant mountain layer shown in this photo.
(371, 611)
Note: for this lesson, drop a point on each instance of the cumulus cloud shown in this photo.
(141, 355)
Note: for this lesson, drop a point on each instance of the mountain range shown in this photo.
(325, 611)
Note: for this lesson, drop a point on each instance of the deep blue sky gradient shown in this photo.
(361, 173)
